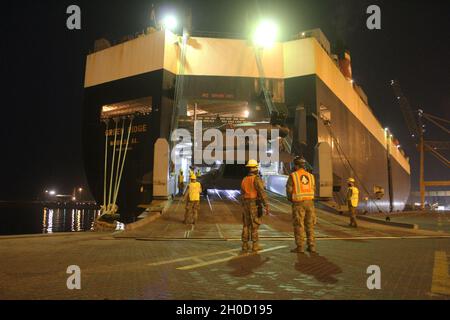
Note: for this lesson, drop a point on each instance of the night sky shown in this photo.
(42, 70)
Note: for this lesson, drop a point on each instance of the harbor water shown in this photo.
(36, 219)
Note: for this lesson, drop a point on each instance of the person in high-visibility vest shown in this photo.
(352, 201)
(300, 191)
(252, 190)
(192, 197)
(181, 182)
(198, 173)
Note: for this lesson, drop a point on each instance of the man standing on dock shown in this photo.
(181, 182)
(352, 201)
(192, 197)
(252, 190)
(300, 191)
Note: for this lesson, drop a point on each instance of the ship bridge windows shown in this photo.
(141, 106)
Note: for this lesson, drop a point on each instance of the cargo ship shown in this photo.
(134, 90)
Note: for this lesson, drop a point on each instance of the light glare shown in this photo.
(169, 23)
(265, 34)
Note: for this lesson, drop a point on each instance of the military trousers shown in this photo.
(352, 213)
(191, 213)
(303, 218)
(250, 221)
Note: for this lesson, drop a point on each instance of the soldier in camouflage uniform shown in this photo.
(300, 191)
(252, 190)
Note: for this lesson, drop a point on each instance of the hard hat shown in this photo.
(193, 177)
(300, 161)
(252, 164)
(351, 180)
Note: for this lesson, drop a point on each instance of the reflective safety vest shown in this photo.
(194, 191)
(248, 187)
(355, 196)
(303, 186)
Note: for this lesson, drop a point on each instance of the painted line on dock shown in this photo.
(441, 280)
(159, 263)
(234, 256)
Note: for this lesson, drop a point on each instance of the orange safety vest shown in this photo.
(248, 186)
(303, 186)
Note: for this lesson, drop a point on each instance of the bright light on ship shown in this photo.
(169, 22)
(265, 34)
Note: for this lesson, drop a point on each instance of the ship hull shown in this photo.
(367, 156)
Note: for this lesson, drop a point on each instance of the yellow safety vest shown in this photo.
(303, 186)
(194, 191)
(355, 196)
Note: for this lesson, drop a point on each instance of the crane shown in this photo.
(416, 129)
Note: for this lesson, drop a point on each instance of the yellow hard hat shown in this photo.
(351, 180)
(252, 164)
(193, 177)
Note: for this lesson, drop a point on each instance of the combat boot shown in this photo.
(256, 247)
(298, 250)
(244, 246)
(312, 250)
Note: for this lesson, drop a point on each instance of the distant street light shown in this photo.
(265, 34)
(80, 189)
(52, 192)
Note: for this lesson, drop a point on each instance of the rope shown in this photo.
(106, 163)
(123, 163)
(119, 157)
(112, 165)
(342, 153)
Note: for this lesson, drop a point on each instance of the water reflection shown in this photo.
(65, 220)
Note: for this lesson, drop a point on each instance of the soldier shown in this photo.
(300, 191)
(252, 189)
(352, 201)
(192, 197)
(181, 182)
